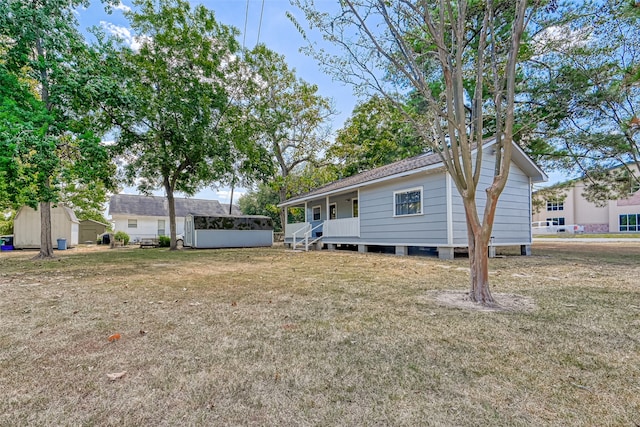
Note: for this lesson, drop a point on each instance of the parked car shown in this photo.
(575, 229)
(552, 227)
(544, 227)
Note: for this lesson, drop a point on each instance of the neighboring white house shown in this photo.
(413, 205)
(569, 206)
(26, 227)
(144, 217)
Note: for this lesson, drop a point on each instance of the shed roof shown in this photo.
(86, 221)
(405, 167)
(134, 204)
(71, 215)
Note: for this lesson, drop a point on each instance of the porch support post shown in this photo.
(327, 204)
(445, 253)
(306, 212)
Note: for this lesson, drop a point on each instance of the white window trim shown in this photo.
(320, 209)
(408, 190)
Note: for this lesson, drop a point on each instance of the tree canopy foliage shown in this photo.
(458, 62)
(47, 134)
(181, 112)
(376, 134)
(583, 86)
(262, 201)
(293, 119)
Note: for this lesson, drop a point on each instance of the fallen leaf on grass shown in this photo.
(233, 304)
(143, 332)
(114, 337)
(116, 375)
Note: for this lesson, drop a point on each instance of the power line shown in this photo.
(246, 18)
(260, 24)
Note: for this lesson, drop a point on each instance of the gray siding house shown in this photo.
(412, 205)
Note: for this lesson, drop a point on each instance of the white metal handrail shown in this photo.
(300, 230)
(307, 234)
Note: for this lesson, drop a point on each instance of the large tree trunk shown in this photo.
(46, 243)
(172, 215)
(479, 264)
(479, 236)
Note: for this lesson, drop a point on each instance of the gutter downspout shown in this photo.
(449, 209)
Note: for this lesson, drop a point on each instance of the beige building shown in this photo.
(26, 227)
(569, 206)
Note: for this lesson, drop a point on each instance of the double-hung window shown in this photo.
(407, 202)
(555, 205)
(630, 222)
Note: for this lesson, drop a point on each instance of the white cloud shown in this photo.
(123, 33)
(560, 38)
(116, 30)
(123, 7)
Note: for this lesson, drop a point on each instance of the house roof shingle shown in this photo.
(133, 204)
(408, 166)
(396, 168)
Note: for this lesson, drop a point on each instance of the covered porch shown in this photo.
(311, 221)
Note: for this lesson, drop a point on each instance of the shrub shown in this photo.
(122, 236)
(164, 241)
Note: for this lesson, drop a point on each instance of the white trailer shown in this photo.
(227, 231)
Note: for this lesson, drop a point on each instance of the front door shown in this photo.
(333, 211)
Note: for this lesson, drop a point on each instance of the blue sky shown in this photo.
(275, 30)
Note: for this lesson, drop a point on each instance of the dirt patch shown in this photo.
(504, 302)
